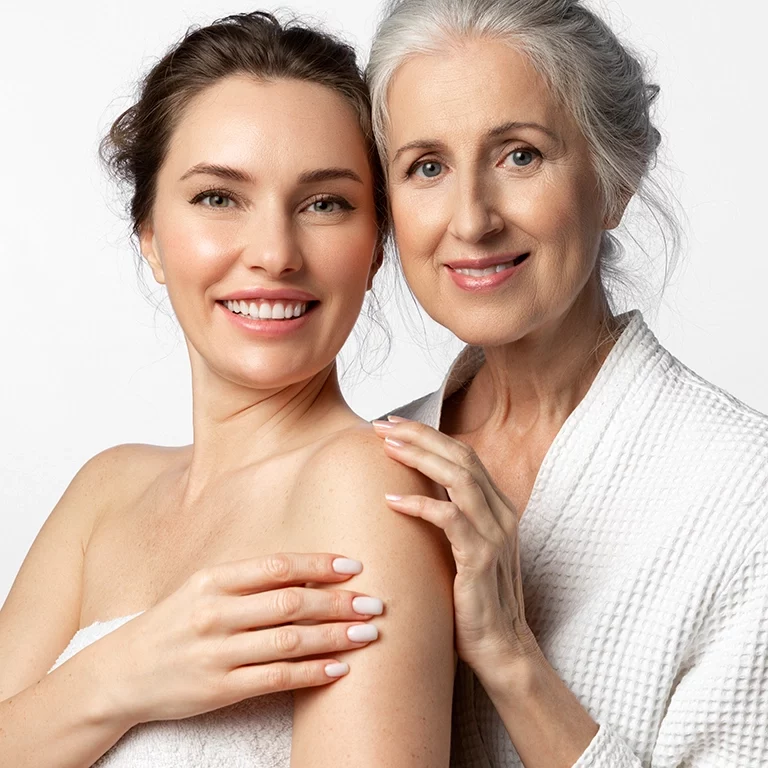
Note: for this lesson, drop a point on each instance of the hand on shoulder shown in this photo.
(341, 493)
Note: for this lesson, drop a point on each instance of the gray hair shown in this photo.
(598, 79)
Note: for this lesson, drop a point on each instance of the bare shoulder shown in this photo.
(42, 610)
(341, 493)
(127, 463)
(112, 479)
(103, 478)
(353, 462)
(339, 504)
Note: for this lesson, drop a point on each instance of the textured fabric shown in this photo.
(255, 733)
(644, 552)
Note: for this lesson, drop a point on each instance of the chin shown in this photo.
(490, 328)
(486, 338)
(274, 374)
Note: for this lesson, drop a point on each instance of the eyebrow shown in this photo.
(235, 174)
(492, 134)
(328, 174)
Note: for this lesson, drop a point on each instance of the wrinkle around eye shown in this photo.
(535, 162)
(412, 172)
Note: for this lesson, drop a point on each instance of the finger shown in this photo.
(446, 515)
(430, 439)
(284, 606)
(454, 450)
(461, 485)
(258, 680)
(256, 574)
(433, 441)
(294, 641)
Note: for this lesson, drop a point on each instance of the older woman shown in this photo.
(607, 506)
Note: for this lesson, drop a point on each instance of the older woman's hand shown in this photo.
(482, 526)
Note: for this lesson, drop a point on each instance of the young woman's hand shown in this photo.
(230, 633)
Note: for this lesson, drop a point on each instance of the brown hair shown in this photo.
(253, 44)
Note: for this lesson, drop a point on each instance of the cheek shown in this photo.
(343, 261)
(420, 219)
(196, 255)
(559, 213)
(195, 250)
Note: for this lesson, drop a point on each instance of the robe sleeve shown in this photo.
(717, 714)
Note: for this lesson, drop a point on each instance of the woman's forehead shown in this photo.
(475, 86)
(272, 123)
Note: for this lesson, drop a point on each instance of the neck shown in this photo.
(235, 426)
(534, 383)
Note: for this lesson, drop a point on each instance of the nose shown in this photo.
(474, 216)
(271, 244)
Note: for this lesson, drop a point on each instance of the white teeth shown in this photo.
(484, 272)
(266, 310)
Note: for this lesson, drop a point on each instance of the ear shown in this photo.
(613, 218)
(378, 260)
(151, 252)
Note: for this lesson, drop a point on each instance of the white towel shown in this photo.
(255, 733)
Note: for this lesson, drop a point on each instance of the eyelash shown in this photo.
(424, 161)
(221, 192)
(218, 192)
(345, 205)
(524, 148)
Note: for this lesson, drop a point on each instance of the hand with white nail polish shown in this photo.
(234, 631)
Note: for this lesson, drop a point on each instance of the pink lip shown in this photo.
(248, 294)
(487, 282)
(268, 329)
(484, 263)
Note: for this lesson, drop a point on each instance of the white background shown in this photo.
(87, 362)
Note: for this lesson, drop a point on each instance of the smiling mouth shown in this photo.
(492, 269)
(263, 309)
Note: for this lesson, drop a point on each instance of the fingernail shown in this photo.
(362, 633)
(396, 418)
(368, 605)
(339, 669)
(394, 443)
(392, 497)
(382, 424)
(347, 565)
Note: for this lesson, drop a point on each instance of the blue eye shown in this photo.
(521, 157)
(430, 169)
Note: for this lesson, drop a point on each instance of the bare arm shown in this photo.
(393, 709)
(62, 719)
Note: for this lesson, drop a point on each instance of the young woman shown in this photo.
(150, 624)
(608, 507)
